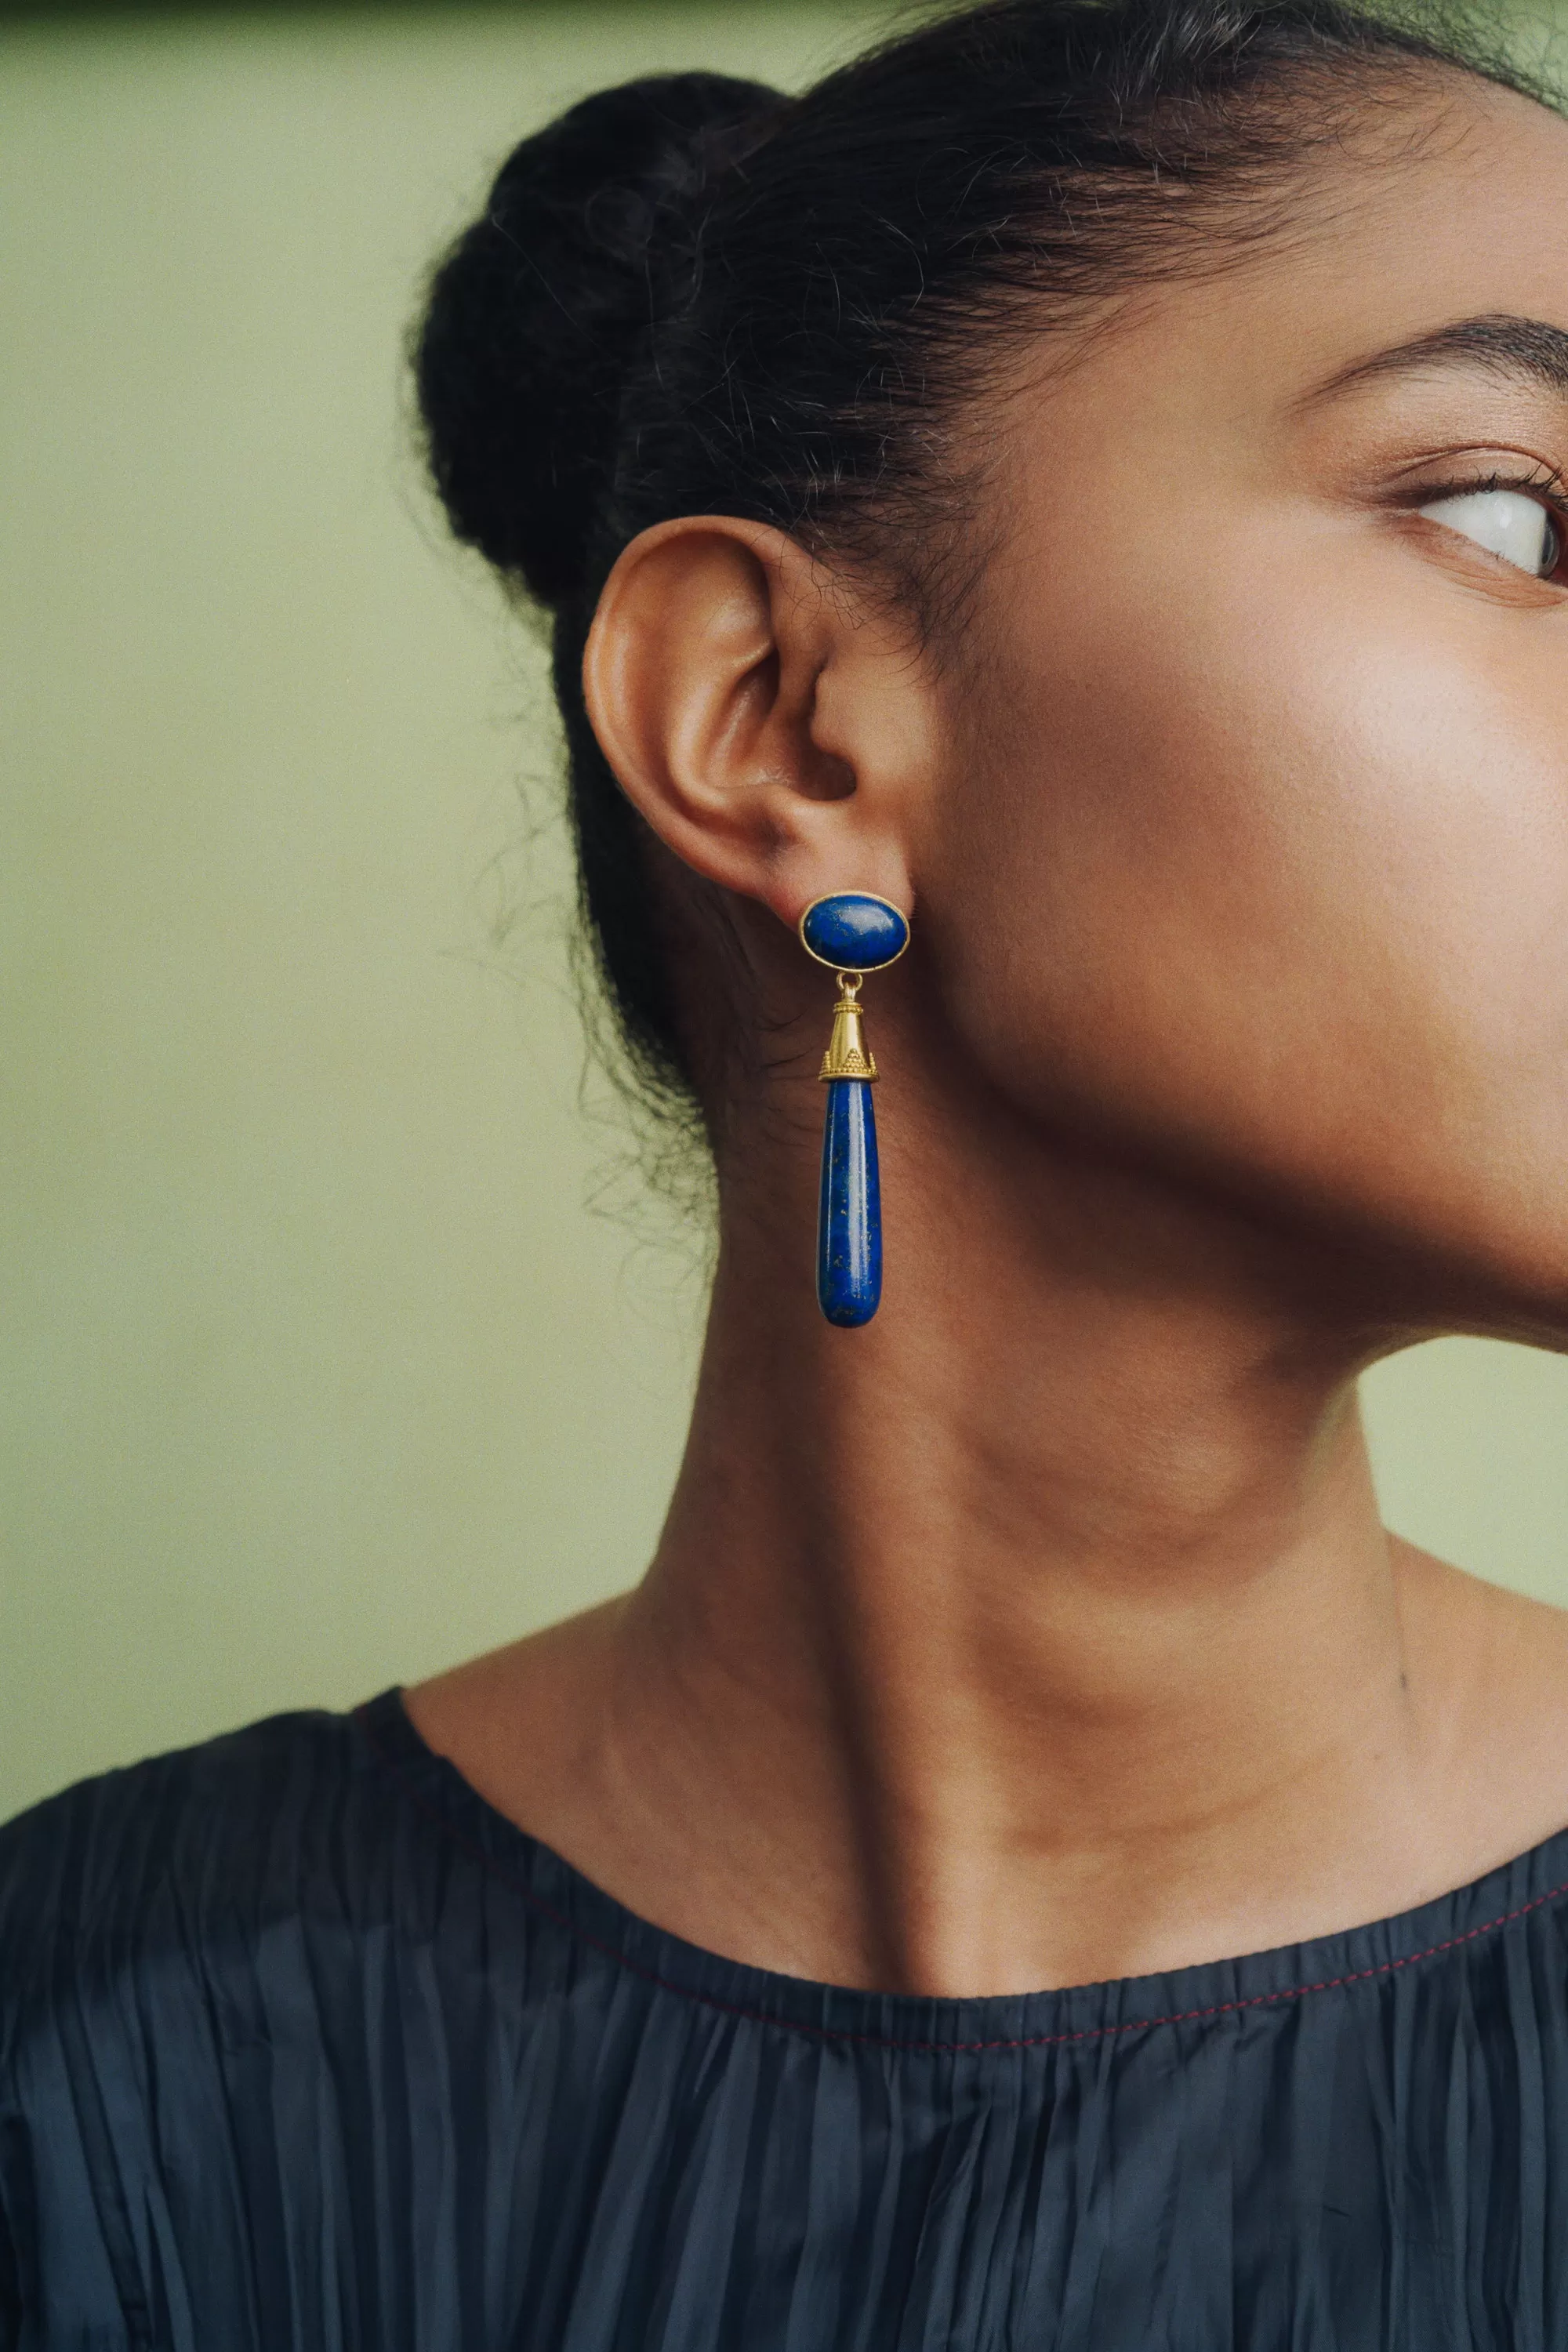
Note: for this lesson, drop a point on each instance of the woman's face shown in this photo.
(1254, 856)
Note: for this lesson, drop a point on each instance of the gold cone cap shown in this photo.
(847, 1055)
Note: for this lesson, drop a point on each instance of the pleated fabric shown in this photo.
(303, 2048)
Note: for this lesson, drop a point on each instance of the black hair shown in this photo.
(694, 295)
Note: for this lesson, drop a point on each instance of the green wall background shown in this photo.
(321, 1363)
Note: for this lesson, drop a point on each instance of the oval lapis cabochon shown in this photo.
(854, 932)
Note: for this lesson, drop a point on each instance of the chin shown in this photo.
(1492, 1278)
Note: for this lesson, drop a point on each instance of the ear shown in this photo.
(773, 731)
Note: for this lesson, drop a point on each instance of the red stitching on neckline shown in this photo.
(891, 2041)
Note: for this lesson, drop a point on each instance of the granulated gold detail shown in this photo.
(847, 1055)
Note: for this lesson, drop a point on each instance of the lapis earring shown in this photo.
(852, 932)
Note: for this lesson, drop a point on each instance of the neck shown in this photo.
(1055, 1641)
(1043, 1631)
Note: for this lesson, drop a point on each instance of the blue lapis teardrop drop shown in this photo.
(849, 1213)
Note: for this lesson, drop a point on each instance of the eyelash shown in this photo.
(1546, 482)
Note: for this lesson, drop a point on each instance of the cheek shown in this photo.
(1273, 877)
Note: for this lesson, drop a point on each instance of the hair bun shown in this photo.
(539, 309)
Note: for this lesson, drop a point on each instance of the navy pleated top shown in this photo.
(302, 2045)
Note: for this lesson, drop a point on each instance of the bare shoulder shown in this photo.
(522, 1723)
(1502, 1629)
(1488, 1669)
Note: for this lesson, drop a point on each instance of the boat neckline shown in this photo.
(1230, 1990)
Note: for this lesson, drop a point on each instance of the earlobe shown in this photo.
(735, 698)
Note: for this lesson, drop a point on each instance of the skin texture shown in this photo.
(1045, 1631)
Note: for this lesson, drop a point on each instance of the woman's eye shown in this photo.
(1509, 522)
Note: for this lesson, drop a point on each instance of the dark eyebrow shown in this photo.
(1523, 351)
